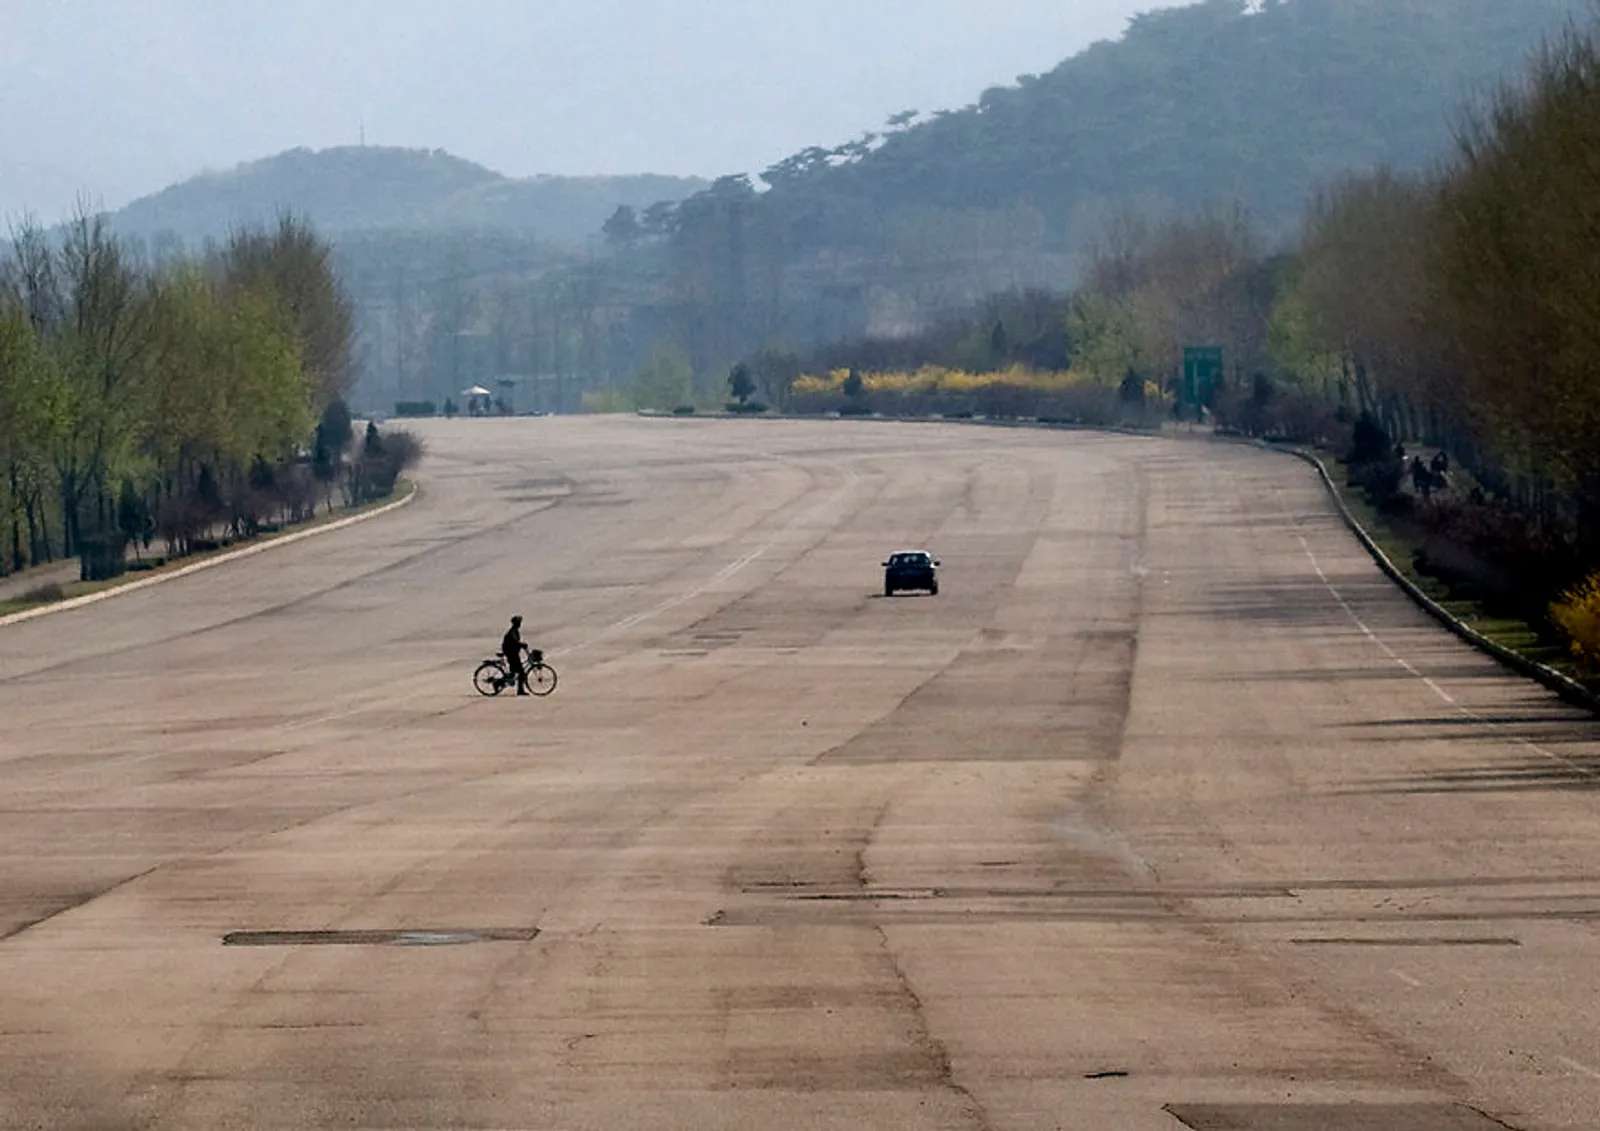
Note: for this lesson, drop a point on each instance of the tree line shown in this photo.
(173, 398)
(1461, 308)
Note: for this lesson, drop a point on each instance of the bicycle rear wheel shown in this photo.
(541, 679)
(490, 678)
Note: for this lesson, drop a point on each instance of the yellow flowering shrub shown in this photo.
(1009, 394)
(938, 379)
(813, 385)
(1578, 614)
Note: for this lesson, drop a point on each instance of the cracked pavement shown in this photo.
(1168, 811)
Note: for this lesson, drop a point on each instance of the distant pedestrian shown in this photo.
(1421, 477)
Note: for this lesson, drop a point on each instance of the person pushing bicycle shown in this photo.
(515, 664)
(511, 648)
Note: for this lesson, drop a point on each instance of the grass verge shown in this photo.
(1399, 541)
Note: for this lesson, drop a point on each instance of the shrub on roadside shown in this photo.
(1490, 552)
(102, 557)
(1369, 443)
(1578, 614)
(1081, 404)
(383, 456)
(181, 520)
(1284, 414)
(1006, 402)
(1305, 419)
(1380, 479)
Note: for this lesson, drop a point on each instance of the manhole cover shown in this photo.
(1333, 1117)
(414, 937)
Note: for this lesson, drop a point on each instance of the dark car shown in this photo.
(910, 569)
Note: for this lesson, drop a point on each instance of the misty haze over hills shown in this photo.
(117, 100)
(462, 275)
(372, 188)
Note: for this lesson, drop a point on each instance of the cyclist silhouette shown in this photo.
(511, 649)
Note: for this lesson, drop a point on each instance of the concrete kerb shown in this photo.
(1567, 688)
(209, 563)
(971, 422)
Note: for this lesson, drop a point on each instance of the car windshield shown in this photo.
(909, 559)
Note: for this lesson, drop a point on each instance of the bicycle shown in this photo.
(494, 675)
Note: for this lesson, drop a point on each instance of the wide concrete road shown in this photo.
(1168, 811)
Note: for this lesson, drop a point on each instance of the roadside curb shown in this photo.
(971, 422)
(209, 563)
(1567, 688)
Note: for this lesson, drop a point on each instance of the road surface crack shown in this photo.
(929, 1045)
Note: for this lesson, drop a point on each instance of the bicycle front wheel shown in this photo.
(541, 679)
(490, 678)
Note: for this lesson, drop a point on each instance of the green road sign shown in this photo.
(1202, 373)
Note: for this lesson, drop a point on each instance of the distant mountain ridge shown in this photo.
(350, 189)
(1256, 101)
(1220, 103)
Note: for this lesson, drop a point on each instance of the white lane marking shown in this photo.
(1593, 1074)
(1406, 978)
(333, 718)
(1465, 712)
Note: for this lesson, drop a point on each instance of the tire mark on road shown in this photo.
(81, 900)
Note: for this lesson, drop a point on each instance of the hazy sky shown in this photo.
(118, 98)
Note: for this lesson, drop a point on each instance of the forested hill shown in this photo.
(371, 188)
(1215, 102)
(1219, 103)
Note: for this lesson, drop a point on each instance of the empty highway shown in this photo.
(1168, 811)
